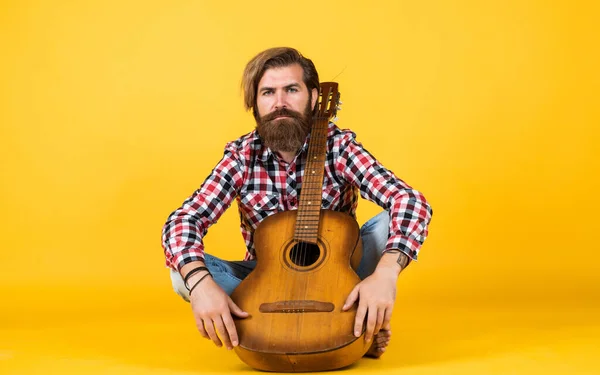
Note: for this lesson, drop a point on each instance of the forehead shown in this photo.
(282, 76)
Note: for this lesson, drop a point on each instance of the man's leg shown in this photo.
(374, 235)
(227, 274)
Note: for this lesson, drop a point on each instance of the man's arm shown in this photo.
(185, 228)
(409, 211)
(184, 250)
(410, 215)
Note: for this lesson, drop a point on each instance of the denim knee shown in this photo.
(375, 231)
(374, 234)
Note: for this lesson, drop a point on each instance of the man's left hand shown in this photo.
(376, 295)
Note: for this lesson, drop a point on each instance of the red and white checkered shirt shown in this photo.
(263, 184)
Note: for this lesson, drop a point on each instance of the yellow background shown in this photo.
(113, 112)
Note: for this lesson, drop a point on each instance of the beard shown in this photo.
(285, 134)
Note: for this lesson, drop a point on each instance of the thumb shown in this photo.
(235, 309)
(351, 299)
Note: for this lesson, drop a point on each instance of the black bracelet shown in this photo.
(199, 281)
(189, 274)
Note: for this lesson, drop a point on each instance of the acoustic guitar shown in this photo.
(306, 261)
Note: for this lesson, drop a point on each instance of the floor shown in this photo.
(157, 336)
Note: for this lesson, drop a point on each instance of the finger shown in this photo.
(360, 317)
(222, 332)
(371, 322)
(210, 329)
(230, 326)
(351, 299)
(199, 323)
(200, 326)
(380, 319)
(387, 320)
(236, 310)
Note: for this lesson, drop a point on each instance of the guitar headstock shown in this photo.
(329, 100)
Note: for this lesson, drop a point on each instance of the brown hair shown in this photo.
(275, 58)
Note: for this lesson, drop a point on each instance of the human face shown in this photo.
(284, 109)
(283, 87)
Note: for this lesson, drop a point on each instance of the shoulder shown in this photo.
(244, 145)
(340, 136)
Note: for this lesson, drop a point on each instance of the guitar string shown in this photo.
(308, 221)
(311, 180)
(313, 154)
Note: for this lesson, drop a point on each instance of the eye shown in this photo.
(292, 89)
(267, 92)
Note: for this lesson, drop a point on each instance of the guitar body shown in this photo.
(295, 296)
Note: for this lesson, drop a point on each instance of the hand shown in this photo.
(212, 308)
(376, 295)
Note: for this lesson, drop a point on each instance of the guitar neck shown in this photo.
(309, 208)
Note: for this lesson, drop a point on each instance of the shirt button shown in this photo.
(293, 201)
(290, 173)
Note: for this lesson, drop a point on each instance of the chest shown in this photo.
(270, 187)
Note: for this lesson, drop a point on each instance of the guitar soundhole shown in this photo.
(304, 254)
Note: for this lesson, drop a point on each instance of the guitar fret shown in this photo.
(308, 216)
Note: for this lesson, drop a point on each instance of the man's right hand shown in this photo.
(212, 309)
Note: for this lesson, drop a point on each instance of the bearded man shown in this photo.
(263, 172)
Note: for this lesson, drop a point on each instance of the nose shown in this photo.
(280, 101)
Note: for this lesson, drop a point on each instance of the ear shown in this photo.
(315, 97)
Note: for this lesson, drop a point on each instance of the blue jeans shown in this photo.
(229, 274)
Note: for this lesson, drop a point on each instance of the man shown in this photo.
(263, 171)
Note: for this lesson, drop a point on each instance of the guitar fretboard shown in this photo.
(309, 209)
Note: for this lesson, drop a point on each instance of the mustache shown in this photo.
(281, 112)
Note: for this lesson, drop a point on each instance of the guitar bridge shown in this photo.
(298, 306)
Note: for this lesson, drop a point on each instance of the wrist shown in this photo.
(392, 263)
(192, 272)
(193, 279)
(387, 266)
(199, 280)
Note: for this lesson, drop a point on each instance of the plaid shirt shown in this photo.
(263, 184)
